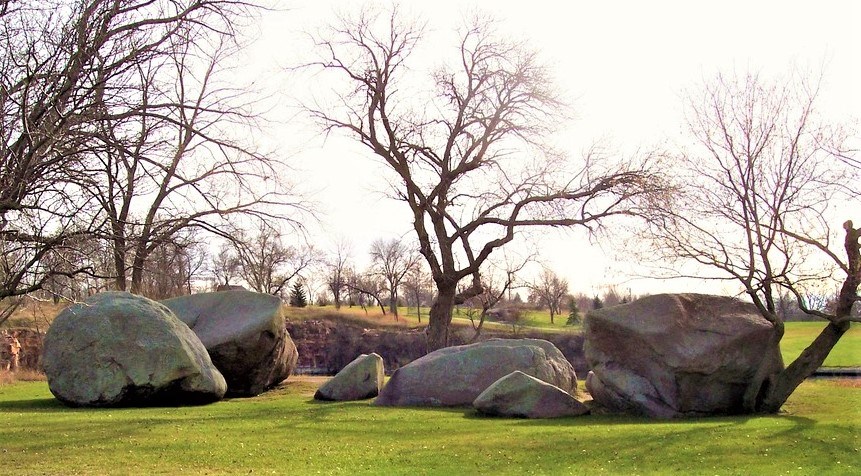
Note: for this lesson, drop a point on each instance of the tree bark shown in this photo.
(804, 366)
(439, 318)
(393, 305)
(815, 354)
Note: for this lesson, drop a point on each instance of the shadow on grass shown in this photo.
(41, 405)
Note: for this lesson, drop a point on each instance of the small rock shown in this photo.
(524, 396)
(360, 379)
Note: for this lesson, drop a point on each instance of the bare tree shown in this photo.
(392, 259)
(755, 205)
(550, 290)
(266, 263)
(68, 68)
(337, 270)
(497, 282)
(173, 154)
(416, 283)
(224, 265)
(470, 159)
(368, 286)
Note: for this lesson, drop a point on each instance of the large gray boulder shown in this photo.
(360, 379)
(675, 355)
(118, 349)
(524, 396)
(455, 376)
(245, 335)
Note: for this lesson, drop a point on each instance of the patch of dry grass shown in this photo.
(33, 314)
(23, 375)
(370, 317)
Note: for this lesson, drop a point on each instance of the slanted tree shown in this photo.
(469, 155)
(758, 194)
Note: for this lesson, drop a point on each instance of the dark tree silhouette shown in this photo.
(470, 158)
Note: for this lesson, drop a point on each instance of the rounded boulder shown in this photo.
(118, 349)
(523, 396)
(244, 334)
(360, 379)
(455, 376)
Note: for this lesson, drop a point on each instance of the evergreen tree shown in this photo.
(597, 303)
(297, 296)
(573, 313)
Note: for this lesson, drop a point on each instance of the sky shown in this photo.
(625, 65)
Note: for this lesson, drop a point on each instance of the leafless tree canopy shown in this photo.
(756, 203)
(470, 156)
(550, 290)
(114, 125)
(392, 260)
(266, 263)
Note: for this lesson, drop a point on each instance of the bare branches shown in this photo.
(114, 121)
(472, 156)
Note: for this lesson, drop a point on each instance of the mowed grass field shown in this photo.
(285, 432)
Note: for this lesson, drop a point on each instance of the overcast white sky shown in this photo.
(625, 64)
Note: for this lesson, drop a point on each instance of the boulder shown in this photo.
(360, 379)
(524, 396)
(245, 335)
(118, 349)
(675, 355)
(455, 376)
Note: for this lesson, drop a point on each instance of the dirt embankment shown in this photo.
(326, 346)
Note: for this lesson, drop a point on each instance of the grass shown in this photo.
(285, 432)
(798, 335)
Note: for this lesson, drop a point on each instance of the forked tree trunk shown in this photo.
(439, 319)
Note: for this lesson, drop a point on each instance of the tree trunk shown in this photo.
(393, 304)
(439, 318)
(141, 255)
(804, 366)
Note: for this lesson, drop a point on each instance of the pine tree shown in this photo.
(573, 313)
(597, 303)
(297, 296)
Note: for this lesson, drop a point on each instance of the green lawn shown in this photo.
(285, 432)
(798, 335)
